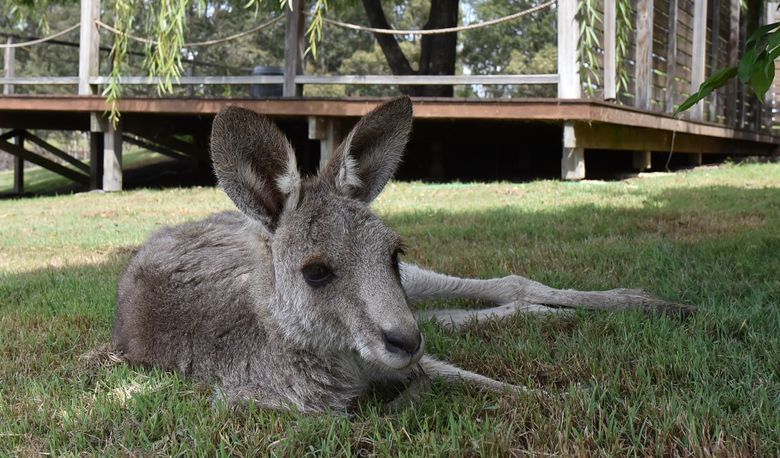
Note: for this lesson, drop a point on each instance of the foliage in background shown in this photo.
(624, 27)
(589, 18)
(527, 45)
(589, 45)
(756, 68)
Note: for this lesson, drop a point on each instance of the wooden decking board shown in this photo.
(553, 110)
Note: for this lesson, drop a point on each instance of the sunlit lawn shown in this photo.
(622, 384)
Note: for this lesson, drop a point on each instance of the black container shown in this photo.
(266, 90)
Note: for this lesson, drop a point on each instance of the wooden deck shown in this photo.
(593, 125)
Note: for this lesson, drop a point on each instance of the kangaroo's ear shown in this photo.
(361, 166)
(255, 164)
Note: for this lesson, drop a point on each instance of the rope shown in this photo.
(40, 40)
(478, 25)
(197, 43)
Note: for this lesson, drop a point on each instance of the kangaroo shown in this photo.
(300, 300)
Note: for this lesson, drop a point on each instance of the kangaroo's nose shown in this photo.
(399, 342)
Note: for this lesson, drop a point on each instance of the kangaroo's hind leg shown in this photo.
(515, 294)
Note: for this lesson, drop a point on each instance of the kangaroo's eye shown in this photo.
(317, 275)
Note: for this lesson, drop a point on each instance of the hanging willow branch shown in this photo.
(589, 17)
(624, 27)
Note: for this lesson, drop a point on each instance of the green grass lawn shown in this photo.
(653, 385)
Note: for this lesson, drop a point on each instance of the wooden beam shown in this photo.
(733, 60)
(9, 64)
(89, 46)
(554, 110)
(157, 149)
(714, 51)
(40, 80)
(602, 136)
(58, 152)
(569, 86)
(699, 53)
(29, 156)
(610, 48)
(293, 49)
(671, 58)
(11, 134)
(317, 79)
(644, 54)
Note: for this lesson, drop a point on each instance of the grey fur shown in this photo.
(224, 299)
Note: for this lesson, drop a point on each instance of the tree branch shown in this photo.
(396, 58)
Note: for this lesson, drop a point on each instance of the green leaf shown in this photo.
(747, 64)
(717, 80)
(761, 80)
(761, 33)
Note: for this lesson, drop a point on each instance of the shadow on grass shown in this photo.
(660, 384)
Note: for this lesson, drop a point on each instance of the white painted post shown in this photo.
(671, 58)
(699, 53)
(569, 86)
(293, 49)
(9, 62)
(733, 50)
(573, 160)
(610, 56)
(698, 60)
(714, 51)
(326, 130)
(89, 46)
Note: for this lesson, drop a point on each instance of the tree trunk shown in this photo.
(437, 52)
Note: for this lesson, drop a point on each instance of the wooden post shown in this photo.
(9, 64)
(293, 49)
(731, 87)
(671, 58)
(95, 160)
(569, 86)
(19, 167)
(329, 132)
(644, 54)
(573, 160)
(644, 69)
(714, 50)
(642, 160)
(112, 158)
(610, 47)
(699, 53)
(769, 101)
(89, 60)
